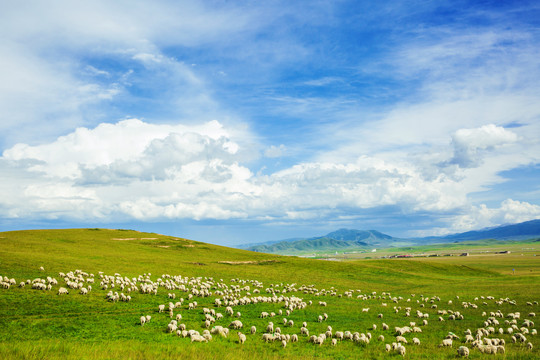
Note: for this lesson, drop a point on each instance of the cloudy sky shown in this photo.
(236, 122)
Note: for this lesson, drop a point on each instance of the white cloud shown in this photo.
(509, 212)
(275, 151)
(469, 143)
(136, 170)
(183, 171)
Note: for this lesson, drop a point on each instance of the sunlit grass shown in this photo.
(40, 324)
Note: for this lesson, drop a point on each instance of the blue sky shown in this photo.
(238, 122)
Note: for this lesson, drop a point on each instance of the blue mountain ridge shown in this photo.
(350, 238)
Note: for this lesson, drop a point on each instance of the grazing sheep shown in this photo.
(381, 338)
(253, 330)
(401, 339)
(401, 350)
(241, 338)
(236, 324)
(62, 291)
(387, 347)
(161, 308)
(270, 327)
(143, 320)
(148, 318)
(487, 349)
(416, 341)
(268, 337)
(171, 328)
(198, 338)
(294, 338)
(334, 342)
(283, 343)
(446, 342)
(290, 323)
(463, 351)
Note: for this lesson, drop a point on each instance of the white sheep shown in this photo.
(62, 291)
(241, 338)
(268, 337)
(253, 329)
(198, 338)
(143, 320)
(236, 324)
(463, 351)
(401, 339)
(446, 342)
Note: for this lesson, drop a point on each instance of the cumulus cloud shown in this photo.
(136, 170)
(139, 170)
(509, 212)
(469, 144)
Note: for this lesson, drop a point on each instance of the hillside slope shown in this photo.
(38, 324)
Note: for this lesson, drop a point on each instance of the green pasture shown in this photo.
(37, 324)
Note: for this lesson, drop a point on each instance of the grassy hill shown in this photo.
(41, 324)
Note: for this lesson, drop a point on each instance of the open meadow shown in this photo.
(351, 309)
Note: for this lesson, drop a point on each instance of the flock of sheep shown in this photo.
(219, 302)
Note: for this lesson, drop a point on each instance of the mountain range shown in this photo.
(344, 239)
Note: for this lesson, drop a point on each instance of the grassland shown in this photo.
(38, 324)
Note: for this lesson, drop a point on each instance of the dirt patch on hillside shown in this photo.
(247, 262)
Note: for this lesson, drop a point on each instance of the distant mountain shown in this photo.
(522, 230)
(344, 239)
(340, 240)
(246, 246)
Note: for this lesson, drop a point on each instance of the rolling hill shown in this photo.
(36, 323)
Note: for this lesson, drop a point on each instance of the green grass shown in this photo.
(42, 325)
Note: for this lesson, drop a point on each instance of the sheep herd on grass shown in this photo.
(492, 336)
